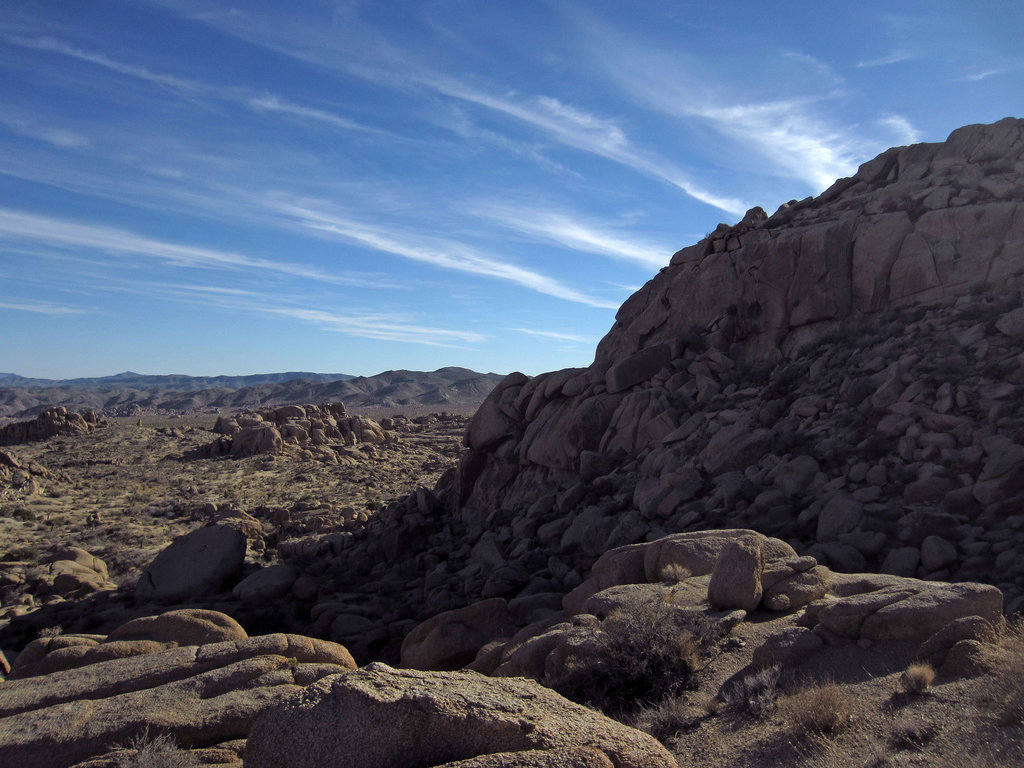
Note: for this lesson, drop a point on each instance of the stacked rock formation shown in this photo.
(24, 478)
(49, 423)
(326, 431)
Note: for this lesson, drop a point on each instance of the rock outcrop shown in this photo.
(118, 688)
(21, 477)
(328, 431)
(49, 423)
(379, 717)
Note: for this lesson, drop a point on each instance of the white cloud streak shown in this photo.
(378, 326)
(556, 335)
(897, 57)
(901, 127)
(439, 252)
(41, 308)
(581, 130)
(52, 135)
(68, 234)
(261, 103)
(570, 232)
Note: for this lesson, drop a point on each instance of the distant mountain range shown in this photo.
(132, 380)
(128, 394)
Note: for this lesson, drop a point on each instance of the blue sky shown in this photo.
(215, 188)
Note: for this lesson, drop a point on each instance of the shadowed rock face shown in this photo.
(760, 379)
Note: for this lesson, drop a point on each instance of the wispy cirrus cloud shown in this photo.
(572, 232)
(260, 103)
(60, 138)
(983, 75)
(40, 307)
(439, 252)
(380, 326)
(901, 127)
(581, 130)
(896, 57)
(70, 234)
(788, 133)
(578, 338)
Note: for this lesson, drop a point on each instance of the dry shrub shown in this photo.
(820, 709)
(643, 654)
(666, 719)
(159, 751)
(1005, 696)
(673, 573)
(917, 678)
(755, 694)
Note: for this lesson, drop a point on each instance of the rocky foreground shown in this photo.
(777, 521)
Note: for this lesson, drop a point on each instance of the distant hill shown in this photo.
(128, 394)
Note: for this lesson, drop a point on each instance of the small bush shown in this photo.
(917, 678)
(156, 752)
(1005, 697)
(666, 719)
(755, 694)
(673, 573)
(642, 655)
(820, 709)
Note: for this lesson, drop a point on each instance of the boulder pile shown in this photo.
(24, 478)
(49, 423)
(326, 432)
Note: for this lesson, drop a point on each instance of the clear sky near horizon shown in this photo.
(208, 187)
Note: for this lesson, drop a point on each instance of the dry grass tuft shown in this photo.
(673, 573)
(666, 719)
(820, 709)
(159, 751)
(755, 694)
(1004, 697)
(917, 678)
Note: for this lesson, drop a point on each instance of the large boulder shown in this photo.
(379, 717)
(450, 640)
(194, 565)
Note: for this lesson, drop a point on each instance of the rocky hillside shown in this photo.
(133, 394)
(882, 431)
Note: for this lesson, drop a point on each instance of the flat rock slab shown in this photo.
(200, 695)
(379, 717)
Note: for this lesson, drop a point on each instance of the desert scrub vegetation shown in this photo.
(1004, 698)
(754, 694)
(818, 709)
(159, 751)
(643, 654)
(917, 678)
